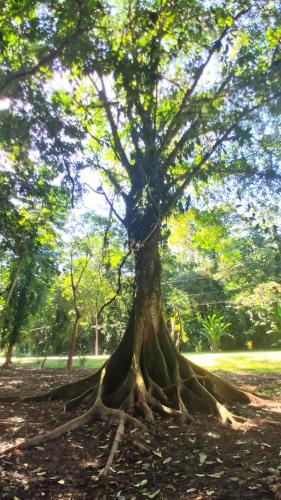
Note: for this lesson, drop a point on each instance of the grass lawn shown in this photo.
(248, 361)
(60, 362)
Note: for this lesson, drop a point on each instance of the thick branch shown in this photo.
(175, 124)
(117, 141)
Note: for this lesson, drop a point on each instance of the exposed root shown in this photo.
(267, 421)
(185, 417)
(163, 409)
(8, 365)
(226, 416)
(97, 411)
(54, 434)
(114, 449)
(143, 378)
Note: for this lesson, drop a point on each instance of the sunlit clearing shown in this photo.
(4, 103)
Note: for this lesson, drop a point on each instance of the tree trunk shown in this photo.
(97, 337)
(74, 336)
(173, 327)
(5, 312)
(8, 357)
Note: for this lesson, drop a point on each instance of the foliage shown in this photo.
(263, 308)
(214, 328)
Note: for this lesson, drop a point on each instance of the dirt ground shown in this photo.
(202, 461)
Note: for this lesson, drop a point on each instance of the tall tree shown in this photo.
(75, 283)
(166, 91)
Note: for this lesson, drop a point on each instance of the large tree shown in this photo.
(165, 93)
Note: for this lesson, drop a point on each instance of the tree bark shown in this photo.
(74, 336)
(8, 357)
(14, 279)
(97, 337)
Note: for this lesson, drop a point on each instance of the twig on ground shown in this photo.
(118, 437)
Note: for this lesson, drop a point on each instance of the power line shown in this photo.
(182, 282)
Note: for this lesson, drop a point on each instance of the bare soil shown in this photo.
(202, 461)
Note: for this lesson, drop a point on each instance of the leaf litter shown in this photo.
(205, 461)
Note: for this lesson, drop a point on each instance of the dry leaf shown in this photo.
(142, 483)
(213, 435)
(202, 458)
(157, 453)
(154, 494)
(216, 474)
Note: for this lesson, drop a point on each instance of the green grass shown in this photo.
(259, 362)
(51, 363)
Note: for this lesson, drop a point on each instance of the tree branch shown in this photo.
(47, 60)
(103, 193)
(120, 152)
(175, 123)
(118, 290)
(190, 175)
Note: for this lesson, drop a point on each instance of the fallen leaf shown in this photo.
(216, 474)
(202, 458)
(154, 494)
(157, 453)
(213, 435)
(61, 481)
(146, 466)
(167, 460)
(142, 483)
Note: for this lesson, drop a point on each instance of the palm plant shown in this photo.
(214, 328)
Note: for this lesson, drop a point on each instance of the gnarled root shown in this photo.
(97, 410)
(141, 377)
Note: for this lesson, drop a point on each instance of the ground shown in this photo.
(204, 461)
